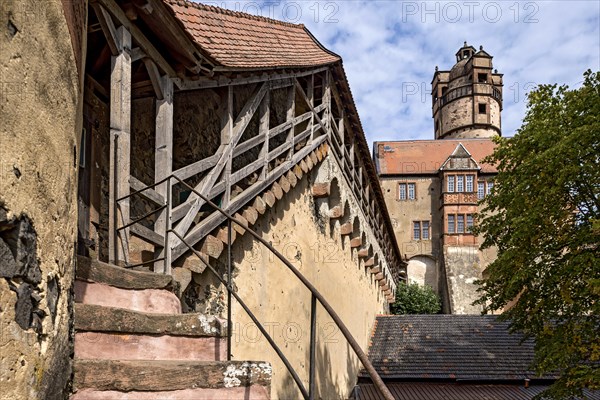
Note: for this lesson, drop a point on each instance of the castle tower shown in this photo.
(467, 100)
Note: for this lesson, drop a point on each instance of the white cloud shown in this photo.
(390, 48)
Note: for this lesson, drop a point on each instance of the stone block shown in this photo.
(321, 189)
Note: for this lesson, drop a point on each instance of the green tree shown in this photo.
(543, 217)
(415, 299)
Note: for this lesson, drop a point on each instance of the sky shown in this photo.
(390, 50)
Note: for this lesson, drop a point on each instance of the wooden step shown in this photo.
(127, 346)
(96, 271)
(156, 376)
(144, 300)
(254, 392)
(94, 318)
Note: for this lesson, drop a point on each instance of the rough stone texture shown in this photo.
(259, 205)
(269, 198)
(146, 300)
(463, 268)
(119, 346)
(253, 392)
(317, 249)
(183, 277)
(167, 375)
(109, 319)
(40, 102)
(321, 189)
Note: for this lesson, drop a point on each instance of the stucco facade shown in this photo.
(300, 227)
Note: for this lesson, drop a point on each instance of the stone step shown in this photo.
(96, 271)
(165, 376)
(127, 346)
(144, 300)
(254, 392)
(94, 318)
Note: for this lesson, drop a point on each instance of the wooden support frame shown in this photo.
(120, 138)
(225, 151)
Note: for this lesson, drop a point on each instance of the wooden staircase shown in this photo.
(133, 342)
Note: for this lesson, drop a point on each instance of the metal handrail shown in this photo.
(316, 295)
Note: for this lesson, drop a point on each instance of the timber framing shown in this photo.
(330, 125)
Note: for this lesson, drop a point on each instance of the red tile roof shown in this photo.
(239, 40)
(415, 157)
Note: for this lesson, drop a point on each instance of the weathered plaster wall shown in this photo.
(40, 102)
(298, 226)
(424, 208)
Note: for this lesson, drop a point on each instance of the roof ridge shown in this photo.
(225, 11)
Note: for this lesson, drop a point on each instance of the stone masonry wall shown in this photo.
(40, 102)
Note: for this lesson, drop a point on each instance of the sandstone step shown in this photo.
(96, 271)
(127, 346)
(157, 376)
(144, 300)
(89, 317)
(254, 392)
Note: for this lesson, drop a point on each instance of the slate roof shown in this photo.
(425, 157)
(239, 40)
(452, 391)
(455, 347)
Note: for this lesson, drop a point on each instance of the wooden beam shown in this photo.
(120, 138)
(220, 81)
(155, 77)
(148, 194)
(108, 28)
(147, 234)
(144, 43)
(216, 218)
(196, 168)
(209, 180)
(226, 138)
(163, 166)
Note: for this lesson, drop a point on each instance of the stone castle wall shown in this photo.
(40, 102)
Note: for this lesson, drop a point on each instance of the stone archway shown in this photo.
(423, 270)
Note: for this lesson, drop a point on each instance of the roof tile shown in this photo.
(414, 157)
(248, 41)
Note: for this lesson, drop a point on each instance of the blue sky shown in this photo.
(390, 50)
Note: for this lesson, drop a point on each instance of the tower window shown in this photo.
(482, 108)
(451, 183)
(482, 78)
(460, 183)
(417, 230)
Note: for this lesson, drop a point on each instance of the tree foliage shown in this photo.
(415, 299)
(543, 217)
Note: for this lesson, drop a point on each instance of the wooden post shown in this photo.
(263, 130)
(163, 166)
(291, 113)
(327, 100)
(311, 97)
(120, 137)
(226, 136)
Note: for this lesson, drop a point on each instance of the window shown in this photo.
(425, 230)
(482, 78)
(469, 183)
(406, 191)
(421, 230)
(482, 108)
(490, 186)
(469, 222)
(411, 191)
(451, 228)
(480, 190)
(460, 219)
(460, 185)
(417, 230)
(451, 183)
